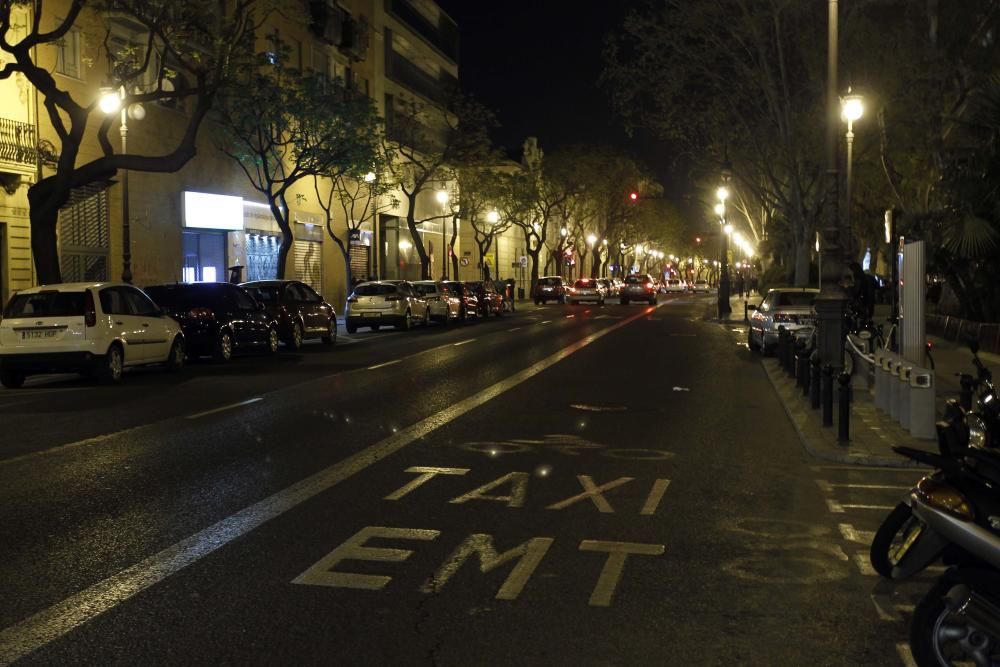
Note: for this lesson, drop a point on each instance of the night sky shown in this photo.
(536, 64)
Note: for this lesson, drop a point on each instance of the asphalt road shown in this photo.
(565, 485)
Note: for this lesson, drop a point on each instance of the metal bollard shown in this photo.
(965, 395)
(782, 348)
(802, 368)
(827, 395)
(844, 398)
(814, 373)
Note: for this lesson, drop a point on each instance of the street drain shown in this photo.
(586, 407)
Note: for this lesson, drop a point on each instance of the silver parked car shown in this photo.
(386, 303)
(638, 287)
(445, 306)
(789, 307)
(586, 289)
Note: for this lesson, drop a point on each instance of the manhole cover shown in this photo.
(587, 407)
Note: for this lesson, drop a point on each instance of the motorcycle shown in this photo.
(958, 620)
(901, 546)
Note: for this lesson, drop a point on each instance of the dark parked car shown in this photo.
(300, 312)
(217, 318)
(469, 306)
(550, 288)
(490, 300)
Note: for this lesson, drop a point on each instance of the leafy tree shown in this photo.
(429, 143)
(738, 74)
(475, 201)
(360, 197)
(194, 44)
(282, 126)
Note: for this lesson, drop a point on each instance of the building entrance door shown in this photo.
(204, 257)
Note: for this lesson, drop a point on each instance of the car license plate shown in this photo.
(370, 313)
(49, 333)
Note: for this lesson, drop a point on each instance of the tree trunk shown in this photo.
(277, 203)
(418, 242)
(451, 246)
(557, 257)
(595, 266)
(348, 278)
(44, 205)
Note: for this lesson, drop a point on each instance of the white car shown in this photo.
(586, 289)
(381, 303)
(675, 285)
(444, 305)
(97, 329)
(701, 286)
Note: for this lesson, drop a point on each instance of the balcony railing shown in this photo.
(17, 142)
(404, 72)
(443, 36)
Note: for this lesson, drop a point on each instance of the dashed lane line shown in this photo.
(514, 329)
(828, 487)
(545, 322)
(63, 617)
(839, 508)
(231, 406)
(384, 364)
(464, 342)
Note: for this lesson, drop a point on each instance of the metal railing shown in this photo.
(443, 36)
(17, 142)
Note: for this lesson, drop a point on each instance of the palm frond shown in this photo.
(972, 237)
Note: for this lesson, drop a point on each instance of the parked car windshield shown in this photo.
(375, 289)
(46, 304)
(181, 296)
(792, 299)
(550, 281)
(423, 289)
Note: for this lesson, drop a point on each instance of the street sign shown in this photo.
(464, 261)
(523, 261)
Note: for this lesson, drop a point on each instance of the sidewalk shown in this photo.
(873, 432)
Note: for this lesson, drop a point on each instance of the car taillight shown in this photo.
(200, 313)
(89, 309)
(649, 285)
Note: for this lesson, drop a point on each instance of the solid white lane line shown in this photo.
(463, 342)
(54, 622)
(224, 408)
(383, 365)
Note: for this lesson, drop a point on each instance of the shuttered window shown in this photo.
(84, 232)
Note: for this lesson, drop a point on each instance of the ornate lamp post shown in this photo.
(723, 194)
(111, 101)
(442, 197)
(851, 109)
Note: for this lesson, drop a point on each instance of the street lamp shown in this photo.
(442, 197)
(723, 194)
(852, 107)
(111, 101)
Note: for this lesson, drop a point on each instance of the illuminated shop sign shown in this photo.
(208, 211)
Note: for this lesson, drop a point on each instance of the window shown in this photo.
(375, 289)
(113, 301)
(138, 303)
(68, 55)
(46, 304)
(309, 294)
(244, 301)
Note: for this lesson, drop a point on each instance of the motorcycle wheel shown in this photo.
(893, 539)
(938, 637)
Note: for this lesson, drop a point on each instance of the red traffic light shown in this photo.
(633, 196)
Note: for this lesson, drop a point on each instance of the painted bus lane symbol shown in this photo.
(521, 561)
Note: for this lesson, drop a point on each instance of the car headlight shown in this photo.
(977, 431)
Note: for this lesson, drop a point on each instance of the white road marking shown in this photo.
(569, 316)
(864, 564)
(852, 534)
(383, 365)
(514, 329)
(866, 470)
(545, 321)
(838, 508)
(464, 342)
(655, 496)
(829, 487)
(903, 649)
(224, 408)
(61, 618)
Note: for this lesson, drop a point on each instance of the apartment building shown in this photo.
(198, 222)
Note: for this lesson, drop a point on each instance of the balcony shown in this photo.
(443, 36)
(402, 71)
(17, 142)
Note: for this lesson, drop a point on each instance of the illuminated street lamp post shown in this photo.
(591, 240)
(607, 257)
(111, 100)
(723, 194)
(442, 198)
(851, 109)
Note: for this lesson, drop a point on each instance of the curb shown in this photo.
(817, 442)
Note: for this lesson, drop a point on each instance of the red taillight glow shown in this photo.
(649, 285)
(89, 309)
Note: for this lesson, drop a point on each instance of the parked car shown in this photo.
(638, 287)
(700, 286)
(610, 287)
(490, 300)
(468, 306)
(550, 288)
(386, 302)
(586, 289)
(445, 305)
(96, 329)
(675, 285)
(218, 319)
(789, 307)
(299, 311)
